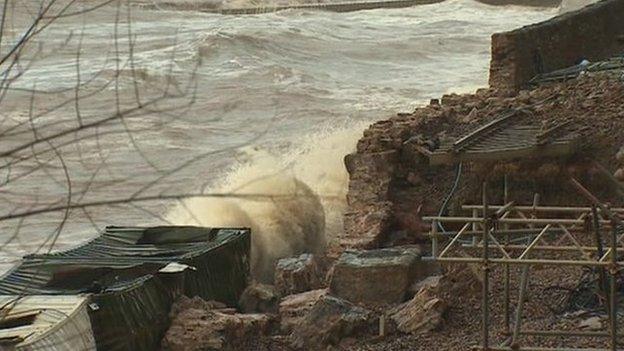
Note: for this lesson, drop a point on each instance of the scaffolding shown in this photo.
(514, 235)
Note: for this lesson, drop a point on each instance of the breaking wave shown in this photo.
(301, 204)
(571, 5)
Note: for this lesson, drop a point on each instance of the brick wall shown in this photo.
(594, 32)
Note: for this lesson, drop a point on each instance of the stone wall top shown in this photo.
(594, 32)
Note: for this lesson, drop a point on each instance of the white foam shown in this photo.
(304, 194)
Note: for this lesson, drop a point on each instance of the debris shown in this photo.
(472, 116)
(424, 312)
(376, 277)
(418, 285)
(297, 274)
(197, 327)
(293, 308)
(175, 267)
(259, 298)
(592, 323)
(329, 321)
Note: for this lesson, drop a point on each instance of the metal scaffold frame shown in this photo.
(492, 232)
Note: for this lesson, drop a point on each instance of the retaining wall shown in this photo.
(595, 32)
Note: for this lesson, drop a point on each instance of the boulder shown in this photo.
(259, 298)
(376, 277)
(196, 326)
(297, 274)
(293, 308)
(424, 312)
(330, 320)
(619, 174)
(620, 155)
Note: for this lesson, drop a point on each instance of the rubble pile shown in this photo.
(379, 293)
(330, 320)
(294, 308)
(207, 325)
(391, 182)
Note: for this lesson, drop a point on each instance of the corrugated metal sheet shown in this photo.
(134, 317)
(61, 323)
(130, 299)
(125, 253)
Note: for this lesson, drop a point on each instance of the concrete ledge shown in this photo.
(595, 32)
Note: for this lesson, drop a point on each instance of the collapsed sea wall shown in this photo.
(391, 184)
(595, 32)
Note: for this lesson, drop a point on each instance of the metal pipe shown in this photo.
(475, 228)
(486, 276)
(455, 238)
(510, 220)
(564, 333)
(524, 282)
(434, 238)
(588, 195)
(524, 231)
(540, 208)
(506, 273)
(602, 277)
(532, 348)
(613, 297)
(530, 261)
(534, 242)
(547, 247)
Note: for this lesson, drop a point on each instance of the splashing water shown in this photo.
(304, 198)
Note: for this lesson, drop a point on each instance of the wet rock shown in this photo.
(259, 298)
(297, 274)
(424, 312)
(196, 326)
(366, 227)
(620, 155)
(376, 277)
(619, 174)
(293, 308)
(330, 320)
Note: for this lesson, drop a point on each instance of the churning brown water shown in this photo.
(279, 100)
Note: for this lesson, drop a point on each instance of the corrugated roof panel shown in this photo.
(46, 322)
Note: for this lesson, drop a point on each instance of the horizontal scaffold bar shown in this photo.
(540, 208)
(528, 261)
(565, 221)
(531, 348)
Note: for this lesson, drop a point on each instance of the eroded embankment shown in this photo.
(390, 180)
